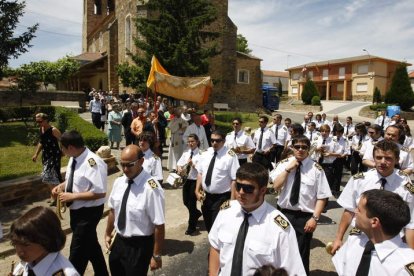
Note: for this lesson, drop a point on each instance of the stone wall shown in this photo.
(248, 97)
(10, 99)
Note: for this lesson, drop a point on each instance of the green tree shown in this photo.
(280, 88)
(45, 71)
(309, 91)
(12, 46)
(26, 81)
(131, 75)
(177, 32)
(400, 91)
(376, 98)
(242, 44)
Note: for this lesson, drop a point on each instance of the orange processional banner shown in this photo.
(196, 89)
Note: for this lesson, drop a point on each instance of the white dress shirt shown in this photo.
(266, 241)
(406, 162)
(268, 139)
(239, 140)
(200, 132)
(224, 171)
(192, 175)
(152, 165)
(144, 208)
(90, 176)
(282, 132)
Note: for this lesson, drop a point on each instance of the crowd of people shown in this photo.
(229, 173)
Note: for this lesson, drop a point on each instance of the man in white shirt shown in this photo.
(383, 120)
(378, 249)
(265, 141)
(280, 131)
(239, 142)
(95, 109)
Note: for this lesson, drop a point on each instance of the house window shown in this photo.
(310, 75)
(110, 6)
(362, 87)
(128, 32)
(341, 72)
(294, 90)
(100, 41)
(295, 76)
(362, 69)
(243, 76)
(325, 74)
(97, 7)
(340, 87)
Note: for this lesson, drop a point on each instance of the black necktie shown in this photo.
(383, 121)
(122, 212)
(294, 194)
(237, 264)
(383, 182)
(277, 130)
(360, 141)
(321, 158)
(260, 139)
(363, 267)
(347, 128)
(311, 136)
(210, 169)
(69, 187)
(188, 166)
(30, 272)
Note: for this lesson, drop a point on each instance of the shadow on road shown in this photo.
(175, 247)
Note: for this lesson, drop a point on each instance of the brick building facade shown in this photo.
(109, 29)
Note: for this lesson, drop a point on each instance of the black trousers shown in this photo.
(329, 173)
(211, 207)
(84, 246)
(190, 201)
(96, 119)
(356, 163)
(278, 152)
(129, 137)
(338, 166)
(298, 220)
(263, 160)
(131, 256)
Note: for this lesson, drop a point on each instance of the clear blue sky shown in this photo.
(282, 33)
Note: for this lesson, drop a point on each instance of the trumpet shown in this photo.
(328, 248)
(60, 207)
(12, 268)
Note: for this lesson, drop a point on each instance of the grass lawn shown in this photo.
(15, 154)
(223, 119)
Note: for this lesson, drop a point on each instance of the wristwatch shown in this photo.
(315, 218)
(157, 257)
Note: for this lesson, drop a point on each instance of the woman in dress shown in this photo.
(177, 126)
(38, 237)
(115, 126)
(51, 153)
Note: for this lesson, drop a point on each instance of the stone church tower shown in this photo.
(108, 31)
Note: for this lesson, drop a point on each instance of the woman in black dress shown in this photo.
(51, 153)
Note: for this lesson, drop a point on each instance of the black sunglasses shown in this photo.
(248, 189)
(216, 140)
(302, 147)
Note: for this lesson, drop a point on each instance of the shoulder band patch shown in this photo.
(284, 160)
(225, 205)
(231, 153)
(410, 268)
(155, 156)
(152, 183)
(358, 175)
(319, 167)
(284, 127)
(402, 173)
(91, 162)
(410, 187)
(59, 273)
(404, 148)
(279, 220)
(355, 232)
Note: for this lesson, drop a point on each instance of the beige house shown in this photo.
(411, 77)
(272, 78)
(347, 79)
(108, 33)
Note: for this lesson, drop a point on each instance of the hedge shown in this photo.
(70, 120)
(65, 120)
(25, 112)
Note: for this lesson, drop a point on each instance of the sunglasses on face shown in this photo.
(248, 189)
(216, 140)
(300, 147)
(129, 165)
(262, 122)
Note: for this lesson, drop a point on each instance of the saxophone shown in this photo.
(60, 207)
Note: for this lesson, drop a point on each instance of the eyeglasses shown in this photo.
(130, 164)
(216, 140)
(262, 122)
(236, 124)
(301, 147)
(248, 189)
(371, 132)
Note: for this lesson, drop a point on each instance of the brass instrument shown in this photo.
(60, 207)
(111, 244)
(328, 248)
(12, 268)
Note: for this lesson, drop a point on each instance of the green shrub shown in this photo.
(309, 91)
(316, 100)
(93, 137)
(400, 90)
(378, 107)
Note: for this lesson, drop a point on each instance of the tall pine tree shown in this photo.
(400, 92)
(177, 32)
